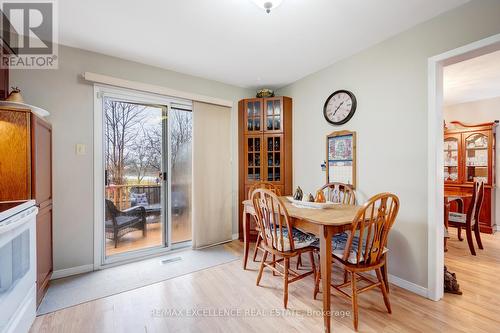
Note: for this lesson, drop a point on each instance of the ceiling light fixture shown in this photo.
(267, 5)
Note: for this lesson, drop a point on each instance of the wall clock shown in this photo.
(339, 107)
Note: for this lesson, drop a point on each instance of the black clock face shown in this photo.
(339, 107)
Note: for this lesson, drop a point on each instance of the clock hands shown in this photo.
(338, 107)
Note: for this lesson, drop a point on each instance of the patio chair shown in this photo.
(120, 223)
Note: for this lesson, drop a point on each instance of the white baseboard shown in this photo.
(497, 227)
(236, 236)
(72, 271)
(407, 285)
(410, 286)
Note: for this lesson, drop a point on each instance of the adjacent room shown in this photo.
(471, 100)
(249, 166)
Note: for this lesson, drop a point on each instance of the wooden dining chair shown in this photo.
(279, 239)
(362, 249)
(471, 221)
(275, 190)
(339, 193)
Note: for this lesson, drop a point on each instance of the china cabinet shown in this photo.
(469, 155)
(265, 145)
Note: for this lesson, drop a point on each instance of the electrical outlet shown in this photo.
(81, 149)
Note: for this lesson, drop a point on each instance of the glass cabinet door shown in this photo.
(273, 153)
(273, 113)
(253, 115)
(253, 159)
(476, 157)
(451, 158)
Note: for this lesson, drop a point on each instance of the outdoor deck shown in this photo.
(134, 240)
(121, 196)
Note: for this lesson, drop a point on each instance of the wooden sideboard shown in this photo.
(469, 155)
(264, 146)
(26, 173)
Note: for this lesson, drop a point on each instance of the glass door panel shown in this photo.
(476, 158)
(135, 175)
(253, 116)
(451, 159)
(253, 158)
(273, 151)
(273, 115)
(181, 141)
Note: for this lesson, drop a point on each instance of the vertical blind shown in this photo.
(212, 180)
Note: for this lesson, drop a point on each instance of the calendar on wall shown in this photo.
(341, 158)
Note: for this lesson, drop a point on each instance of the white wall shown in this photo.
(70, 100)
(482, 111)
(390, 83)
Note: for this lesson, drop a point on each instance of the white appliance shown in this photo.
(17, 265)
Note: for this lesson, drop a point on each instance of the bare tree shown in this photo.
(136, 148)
(121, 129)
(139, 159)
(181, 133)
(154, 143)
(145, 155)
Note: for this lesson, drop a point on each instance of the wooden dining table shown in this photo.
(324, 223)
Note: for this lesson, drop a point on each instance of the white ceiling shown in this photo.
(472, 80)
(234, 41)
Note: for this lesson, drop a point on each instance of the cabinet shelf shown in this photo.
(477, 148)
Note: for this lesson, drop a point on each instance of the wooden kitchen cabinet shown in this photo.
(44, 262)
(26, 173)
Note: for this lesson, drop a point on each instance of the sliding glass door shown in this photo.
(135, 176)
(147, 175)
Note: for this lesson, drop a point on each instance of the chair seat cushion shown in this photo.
(300, 240)
(339, 242)
(122, 220)
(457, 217)
(139, 199)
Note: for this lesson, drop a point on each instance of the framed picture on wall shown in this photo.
(341, 157)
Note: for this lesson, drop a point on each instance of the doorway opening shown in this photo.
(461, 153)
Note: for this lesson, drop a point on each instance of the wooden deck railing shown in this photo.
(120, 194)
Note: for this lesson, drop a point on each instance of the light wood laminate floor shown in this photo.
(258, 309)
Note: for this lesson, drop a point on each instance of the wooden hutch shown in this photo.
(264, 146)
(469, 155)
